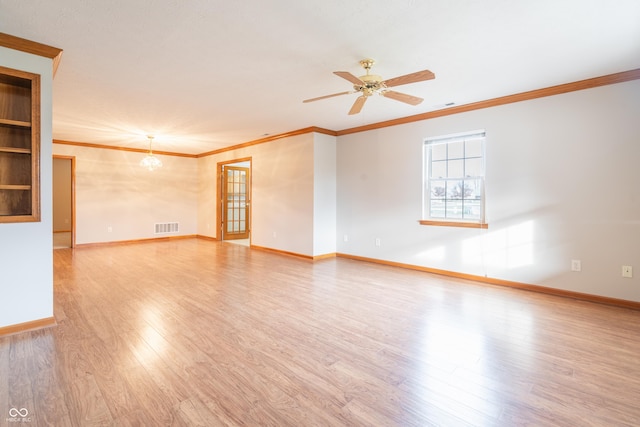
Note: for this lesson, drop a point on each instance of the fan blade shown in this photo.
(418, 76)
(348, 76)
(357, 106)
(402, 97)
(327, 96)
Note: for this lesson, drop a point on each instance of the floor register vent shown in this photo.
(167, 227)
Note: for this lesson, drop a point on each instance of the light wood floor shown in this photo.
(194, 332)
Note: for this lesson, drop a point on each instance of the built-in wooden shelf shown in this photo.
(14, 187)
(15, 150)
(19, 146)
(18, 123)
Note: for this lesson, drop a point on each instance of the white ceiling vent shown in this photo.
(167, 227)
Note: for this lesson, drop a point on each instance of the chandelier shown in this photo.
(150, 162)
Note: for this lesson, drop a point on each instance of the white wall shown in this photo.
(324, 194)
(112, 190)
(26, 260)
(561, 183)
(282, 193)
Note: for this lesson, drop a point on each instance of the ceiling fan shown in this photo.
(372, 84)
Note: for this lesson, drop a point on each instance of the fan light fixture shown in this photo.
(372, 84)
(150, 162)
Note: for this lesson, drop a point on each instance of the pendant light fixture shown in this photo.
(150, 162)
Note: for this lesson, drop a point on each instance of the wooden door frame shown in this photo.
(73, 194)
(219, 194)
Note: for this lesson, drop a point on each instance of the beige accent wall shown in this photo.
(118, 200)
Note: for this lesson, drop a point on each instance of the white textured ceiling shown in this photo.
(205, 74)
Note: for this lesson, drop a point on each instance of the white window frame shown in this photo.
(429, 218)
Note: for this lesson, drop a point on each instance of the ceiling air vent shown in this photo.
(167, 227)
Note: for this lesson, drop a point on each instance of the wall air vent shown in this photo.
(167, 227)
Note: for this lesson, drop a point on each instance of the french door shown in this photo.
(235, 202)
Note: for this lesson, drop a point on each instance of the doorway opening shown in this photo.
(64, 176)
(234, 201)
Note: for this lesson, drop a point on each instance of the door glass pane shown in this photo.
(236, 205)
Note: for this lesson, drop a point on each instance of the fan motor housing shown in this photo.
(372, 84)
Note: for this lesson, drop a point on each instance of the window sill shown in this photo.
(454, 224)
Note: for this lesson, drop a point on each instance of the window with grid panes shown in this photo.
(454, 178)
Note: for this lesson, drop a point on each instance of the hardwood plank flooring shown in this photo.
(201, 333)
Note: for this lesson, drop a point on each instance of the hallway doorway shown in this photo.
(63, 202)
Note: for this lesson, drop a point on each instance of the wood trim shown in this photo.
(27, 326)
(134, 241)
(278, 251)
(634, 305)
(454, 224)
(325, 256)
(28, 46)
(56, 63)
(622, 77)
(112, 147)
(14, 187)
(309, 257)
(17, 123)
(312, 129)
(203, 237)
(15, 150)
(36, 131)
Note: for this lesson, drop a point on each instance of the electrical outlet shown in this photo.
(274, 235)
(576, 265)
(627, 271)
(346, 238)
(377, 241)
(109, 229)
